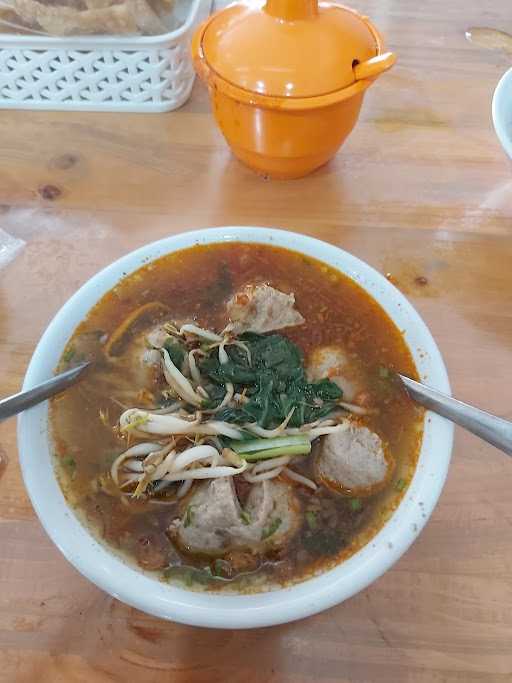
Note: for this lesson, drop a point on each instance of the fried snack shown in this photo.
(65, 21)
(147, 20)
(82, 17)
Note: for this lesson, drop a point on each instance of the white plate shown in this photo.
(234, 611)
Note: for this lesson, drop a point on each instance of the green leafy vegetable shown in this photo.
(69, 462)
(355, 504)
(275, 383)
(271, 528)
(400, 484)
(216, 393)
(176, 352)
(383, 373)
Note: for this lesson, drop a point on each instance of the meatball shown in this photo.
(354, 462)
(214, 523)
(333, 363)
(261, 308)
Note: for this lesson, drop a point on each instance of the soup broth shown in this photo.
(151, 526)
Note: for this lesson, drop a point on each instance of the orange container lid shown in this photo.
(289, 48)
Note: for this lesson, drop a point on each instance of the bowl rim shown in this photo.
(499, 107)
(140, 590)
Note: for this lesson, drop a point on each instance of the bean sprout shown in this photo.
(167, 425)
(192, 455)
(177, 381)
(357, 410)
(138, 449)
(205, 473)
(295, 476)
(270, 433)
(184, 488)
(189, 328)
(263, 476)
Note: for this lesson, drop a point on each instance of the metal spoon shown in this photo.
(26, 399)
(494, 430)
(490, 38)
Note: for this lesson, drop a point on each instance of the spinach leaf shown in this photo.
(176, 352)
(274, 383)
(235, 415)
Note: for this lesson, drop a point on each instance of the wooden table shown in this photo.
(421, 190)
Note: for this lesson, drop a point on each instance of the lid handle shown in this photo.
(375, 66)
(289, 10)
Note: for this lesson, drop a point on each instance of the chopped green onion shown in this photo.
(383, 373)
(262, 449)
(188, 575)
(271, 528)
(311, 520)
(277, 453)
(202, 577)
(221, 569)
(68, 354)
(355, 504)
(189, 516)
(400, 484)
(69, 462)
(246, 517)
(170, 572)
(264, 444)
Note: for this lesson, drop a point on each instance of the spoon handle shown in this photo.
(490, 38)
(495, 430)
(26, 399)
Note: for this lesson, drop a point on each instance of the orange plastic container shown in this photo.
(287, 79)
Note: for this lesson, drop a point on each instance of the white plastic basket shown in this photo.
(100, 73)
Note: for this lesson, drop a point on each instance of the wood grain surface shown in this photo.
(421, 190)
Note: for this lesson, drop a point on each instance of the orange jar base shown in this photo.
(281, 143)
(281, 168)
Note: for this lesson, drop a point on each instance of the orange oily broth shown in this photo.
(196, 283)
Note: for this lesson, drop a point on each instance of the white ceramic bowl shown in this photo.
(231, 611)
(502, 111)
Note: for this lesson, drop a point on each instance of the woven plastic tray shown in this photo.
(135, 74)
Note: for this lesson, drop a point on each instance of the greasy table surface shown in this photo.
(421, 190)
